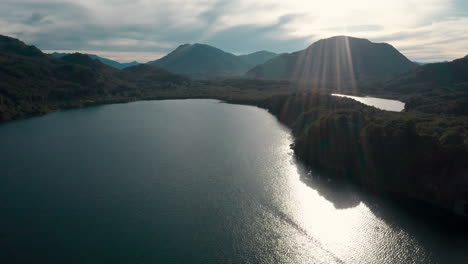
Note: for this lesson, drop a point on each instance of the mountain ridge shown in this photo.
(17, 47)
(339, 58)
(109, 62)
(200, 60)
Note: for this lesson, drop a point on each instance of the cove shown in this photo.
(383, 104)
(189, 181)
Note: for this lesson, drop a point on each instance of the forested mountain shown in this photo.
(32, 82)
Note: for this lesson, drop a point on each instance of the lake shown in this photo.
(384, 104)
(189, 181)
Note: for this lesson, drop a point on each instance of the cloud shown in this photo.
(423, 29)
(443, 40)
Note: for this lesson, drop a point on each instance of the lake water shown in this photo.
(384, 104)
(189, 181)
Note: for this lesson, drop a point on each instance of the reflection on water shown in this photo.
(384, 104)
(188, 181)
(355, 227)
(342, 229)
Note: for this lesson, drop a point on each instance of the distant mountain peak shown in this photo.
(198, 46)
(344, 37)
(183, 46)
(204, 61)
(200, 59)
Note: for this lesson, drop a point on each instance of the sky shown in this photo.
(144, 30)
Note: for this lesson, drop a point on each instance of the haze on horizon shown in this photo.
(143, 30)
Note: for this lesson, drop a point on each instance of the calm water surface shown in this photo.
(384, 104)
(188, 181)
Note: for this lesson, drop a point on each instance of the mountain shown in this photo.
(109, 62)
(201, 60)
(204, 61)
(14, 46)
(257, 58)
(336, 60)
(84, 60)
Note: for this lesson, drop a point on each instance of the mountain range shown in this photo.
(109, 62)
(204, 61)
(338, 59)
(334, 62)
